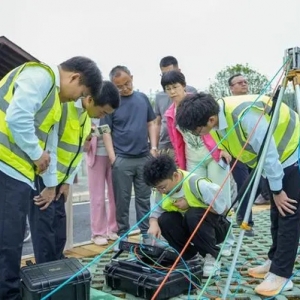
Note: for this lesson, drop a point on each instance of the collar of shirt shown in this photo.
(78, 104)
(96, 121)
(57, 76)
(179, 194)
(80, 110)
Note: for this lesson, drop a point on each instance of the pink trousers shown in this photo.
(103, 216)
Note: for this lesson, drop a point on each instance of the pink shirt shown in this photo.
(178, 142)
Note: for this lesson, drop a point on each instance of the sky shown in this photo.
(205, 36)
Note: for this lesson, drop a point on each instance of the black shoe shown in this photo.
(249, 233)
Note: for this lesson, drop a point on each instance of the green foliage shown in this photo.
(219, 87)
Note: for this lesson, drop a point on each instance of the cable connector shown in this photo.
(245, 226)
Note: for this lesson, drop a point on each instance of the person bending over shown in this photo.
(186, 199)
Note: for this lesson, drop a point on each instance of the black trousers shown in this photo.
(48, 227)
(177, 229)
(240, 174)
(14, 201)
(285, 231)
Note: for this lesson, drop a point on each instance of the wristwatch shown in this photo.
(154, 148)
(277, 192)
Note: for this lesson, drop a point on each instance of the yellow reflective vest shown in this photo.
(44, 119)
(73, 131)
(286, 134)
(190, 188)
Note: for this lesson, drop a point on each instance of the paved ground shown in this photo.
(253, 252)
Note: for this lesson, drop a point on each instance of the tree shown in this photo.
(219, 87)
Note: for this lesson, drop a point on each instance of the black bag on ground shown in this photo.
(38, 280)
(137, 279)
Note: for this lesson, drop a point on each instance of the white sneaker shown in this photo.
(112, 236)
(226, 251)
(260, 271)
(260, 200)
(99, 240)
(273, 285)
(211, 266)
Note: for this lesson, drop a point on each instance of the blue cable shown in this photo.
(164, 198)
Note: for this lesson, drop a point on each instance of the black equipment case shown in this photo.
(137, 279)
(38, 280)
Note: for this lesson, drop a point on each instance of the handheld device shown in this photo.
(103, 129)
(100, 130)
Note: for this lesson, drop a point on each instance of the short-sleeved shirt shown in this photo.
(162, 103)
(129, 125)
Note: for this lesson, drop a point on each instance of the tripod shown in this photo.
(292, 74)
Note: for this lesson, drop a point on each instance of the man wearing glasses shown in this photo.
(238, 85)
(181, 201)
(128, 150)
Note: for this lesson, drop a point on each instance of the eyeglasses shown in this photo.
(240, 82)
(126, 85)
(161, 188)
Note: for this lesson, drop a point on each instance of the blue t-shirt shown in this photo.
(129, 125)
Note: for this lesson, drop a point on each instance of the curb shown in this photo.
(81, 197)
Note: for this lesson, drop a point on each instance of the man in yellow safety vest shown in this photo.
(240, 117)
(30, 106)
(47, 216)
(177, 216)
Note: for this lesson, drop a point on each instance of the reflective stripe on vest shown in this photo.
(73, 131)
(44, 119)
(190, 188)
(286, 134)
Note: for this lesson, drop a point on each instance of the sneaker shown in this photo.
(273, 285)
(99, 240)
(260, 271)
(260, 200)
(112, 236)
(226, 251)
(249, 233)
(211, 266)
(116, 246)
